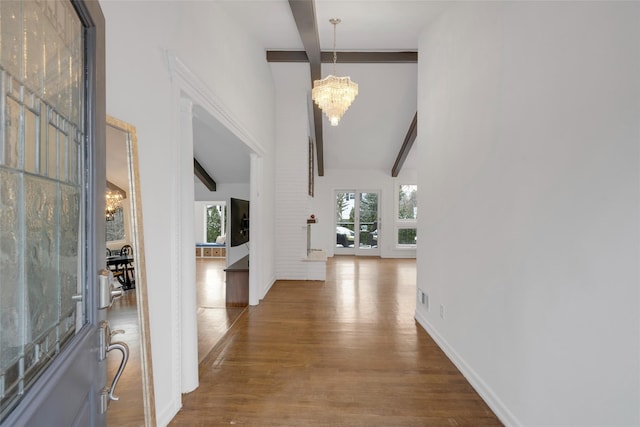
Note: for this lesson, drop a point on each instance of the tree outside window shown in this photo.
(407, 215)
(369, 208)
(341, 206)
(408, 202)
(215, 227)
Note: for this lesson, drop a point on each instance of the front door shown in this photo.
(357, 223)
(52, 174)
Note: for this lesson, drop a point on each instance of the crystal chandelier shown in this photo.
(113, 202)
(334, 94)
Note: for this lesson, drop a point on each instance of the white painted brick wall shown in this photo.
(292, 209)
(292, 150)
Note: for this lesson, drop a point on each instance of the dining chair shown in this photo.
(129, 269)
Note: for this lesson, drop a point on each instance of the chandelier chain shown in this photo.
(335, 54)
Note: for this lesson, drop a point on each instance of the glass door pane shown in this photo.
(357, 222)
(345, 221)
(368, 221)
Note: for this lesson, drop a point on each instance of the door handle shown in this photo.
(124, 348)
(107, 393)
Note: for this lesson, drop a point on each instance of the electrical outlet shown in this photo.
(423, 298)
(441, 311)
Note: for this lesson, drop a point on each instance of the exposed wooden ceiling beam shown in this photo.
(203, 176)
(304, 13)
(409, 139)
(345, 57)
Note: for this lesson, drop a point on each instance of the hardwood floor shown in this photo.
(345, 352)
(214, 320)
(128, 411)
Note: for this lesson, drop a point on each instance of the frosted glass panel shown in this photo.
(30, 143)
(34, 46)
(73, 160)
(49, 145)
(41, 248)
(69, 238)
(62, 156)
(41, 199)
(52, 150)
(11, 293)
(42, 140)
(12, 133)
(11, 36)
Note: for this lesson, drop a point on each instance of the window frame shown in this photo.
(403, 224)
(223, 218)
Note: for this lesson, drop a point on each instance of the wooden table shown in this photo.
(120, 263)
(238, 283)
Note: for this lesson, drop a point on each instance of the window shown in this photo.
(408, 202)
(215, 216)
(406, 236)
(407, 216)
(115, 226)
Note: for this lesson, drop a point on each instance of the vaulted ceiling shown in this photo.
(372, 132)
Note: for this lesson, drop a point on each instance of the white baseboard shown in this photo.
(267, 288)
(164, 416)
(485, 392)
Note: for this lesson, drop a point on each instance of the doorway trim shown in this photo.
(186, 85)
(357, 250)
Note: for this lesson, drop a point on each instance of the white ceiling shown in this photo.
(371, 132)
(366, 24)
(220, 152)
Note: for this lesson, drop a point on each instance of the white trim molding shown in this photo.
(201, 94)
(187, 86)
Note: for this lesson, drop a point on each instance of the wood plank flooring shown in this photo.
(214, 317)
(345, 352)
(214, 320)
(128, 411)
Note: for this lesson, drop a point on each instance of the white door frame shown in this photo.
(356, 249)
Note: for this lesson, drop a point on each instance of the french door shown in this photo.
(357, 222)
(52, 176)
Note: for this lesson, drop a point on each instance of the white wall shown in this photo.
(292, 200)
(529, 205)
(200, 221)
(140, 92)
(223, 192)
